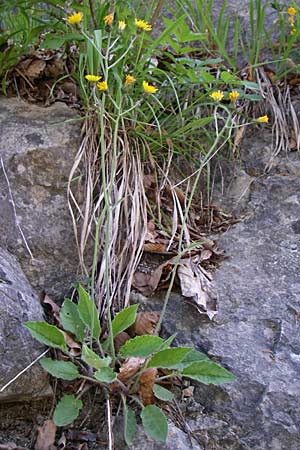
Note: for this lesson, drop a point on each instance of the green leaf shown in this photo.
(60, 369)
(88, 313)
(208, 372)
(207, 77)
(92, 359)
(70, 319)
(227, 77)
(191, 357)
(47, 334)
(162, 393)
(124, 319)
(105, 375)
(169, 358)
(168, 342)
(142, 346)
(250, 85)
(67, 410)
(53, 41)
(155, 423)
(129, 425)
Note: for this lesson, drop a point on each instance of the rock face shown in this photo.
(256, 333)
(38, 146)
(18, 304)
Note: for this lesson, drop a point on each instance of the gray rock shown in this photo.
(38, 146)
(256, 333)
(177, 439)
(18, 304)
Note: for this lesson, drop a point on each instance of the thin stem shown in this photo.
(91, 3)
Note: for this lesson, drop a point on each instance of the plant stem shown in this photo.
(91, 3)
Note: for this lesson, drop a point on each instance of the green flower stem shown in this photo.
(123, 54)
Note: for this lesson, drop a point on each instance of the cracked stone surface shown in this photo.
(18, 304)
(38, 147)
(256, 333)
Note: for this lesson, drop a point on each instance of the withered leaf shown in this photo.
(145, 323)
(129, 368)
(35, 68)
(155, 247)
(46, 436)
(195, 286)
(147, 380)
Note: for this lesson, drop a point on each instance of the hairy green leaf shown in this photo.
(105, 375)
(162, 393)
(67, 410)
(70, 319)
(208, 372)
(47, 334)
(124, 319)
(155, 423)
(88, 313)
(129, 425)
(60, 369)
(169, 358)
(92, 359)
(142, 346)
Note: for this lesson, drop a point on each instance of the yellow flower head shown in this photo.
(148, 88)
(216, 96)
(102, 86)
(129, 79)
(233, 95)
(92, 78)
(291, 21)
(122, 25)
(145, 26)
(108, 20)
(293, 31)
(263, 119)
(291, 11)
(75, 18)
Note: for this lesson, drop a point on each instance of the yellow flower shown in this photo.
(129, 79)
(291, 21)
(102, 86)
(143, 25)
(217, 96)
(263, 119)
(92, 78)
(148, 88)
(108, 20)
(75, 18)
(122, 25)
(233, 95)
(293, 31)
(291, 11)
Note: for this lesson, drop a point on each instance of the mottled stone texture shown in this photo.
(38, 146)
(18, 304)
(256, 333)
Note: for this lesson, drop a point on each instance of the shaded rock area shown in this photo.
(38, 147)
(18, 304)
(256, 333)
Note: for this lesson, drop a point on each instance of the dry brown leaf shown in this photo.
(34, 69)
(206, 254)
(145, 323)
(155, 247)
(129, 368)
(147, 283)
(147, 380)
(194, 282)
(120, 340)
(239, 136)
(46, 436)
(55, 309)
(72, 344)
